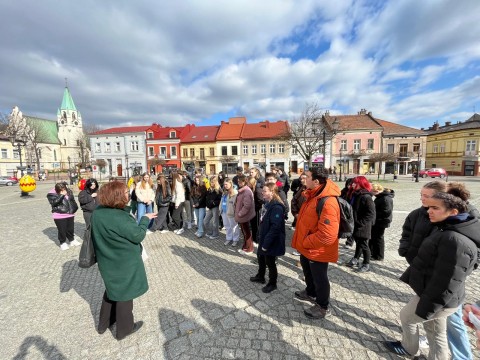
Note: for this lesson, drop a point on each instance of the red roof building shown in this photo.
(198, 149)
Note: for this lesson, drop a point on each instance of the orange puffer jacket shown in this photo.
(316, 237)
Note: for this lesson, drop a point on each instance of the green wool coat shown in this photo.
(116, 239)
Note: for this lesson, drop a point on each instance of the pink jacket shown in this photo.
(244, 205)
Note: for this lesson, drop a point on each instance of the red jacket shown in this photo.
(316, 237)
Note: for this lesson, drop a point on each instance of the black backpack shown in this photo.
(347, 222)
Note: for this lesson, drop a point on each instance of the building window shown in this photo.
(294, 150)
(234, 150)
(390, 148)
(245, 149)
(107, 147)
(281, 148)
(370, 144)
(263, 149)
(471, 145)
(15, 154)
(254, 149)
(185, 152)
(173, 134)
(64, 142)
(4, 153)
(356, 145)
(78, 142)
(435, 148)
(150, 151)
(150, 135)
(163, 151)
(272, 148)
(134, 146)
(416, 148)
(117, 147)
(403, 150)
(343, 145)
(442, 147)
(202, 154)
(173, 151)
(192, 152)
(54, 155)
(212, 151)
(224, 151)
(97, 147)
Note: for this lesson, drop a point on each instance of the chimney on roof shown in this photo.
(362, 112)
(435, 126)
(370, 113)
(448, 123)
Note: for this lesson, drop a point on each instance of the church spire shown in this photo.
(67, 102)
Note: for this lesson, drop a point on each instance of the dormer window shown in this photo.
(150, 135)
(173, 134)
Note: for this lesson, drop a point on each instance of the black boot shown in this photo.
(258, 279)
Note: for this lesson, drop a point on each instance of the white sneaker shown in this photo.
(164, 231)
(149, 232)
(189, 226)
(64, 246)
(292, 228)
(179, 231)
(226, 242)
(234, 243)
(75, 242)
(198, 235)
(295, 253)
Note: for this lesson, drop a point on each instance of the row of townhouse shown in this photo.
(355, 144)
(157, 148)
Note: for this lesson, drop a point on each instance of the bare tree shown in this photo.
(381, 158)
(305, 133)
(17, 126)
(3, 123)
(36, 135)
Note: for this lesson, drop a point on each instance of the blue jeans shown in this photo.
(143, 209)
(200, 215)
(211, 221)
(457, 337)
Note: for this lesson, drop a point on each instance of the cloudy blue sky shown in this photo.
(175, 62)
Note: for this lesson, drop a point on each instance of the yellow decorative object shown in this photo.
(27, 183)
(130, 182)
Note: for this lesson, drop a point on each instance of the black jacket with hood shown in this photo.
(444, 260)
(384, 208)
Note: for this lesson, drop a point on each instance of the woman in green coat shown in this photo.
(116, 239)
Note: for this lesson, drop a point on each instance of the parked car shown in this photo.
(8, 180)
(433, 172)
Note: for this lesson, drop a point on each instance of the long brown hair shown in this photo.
(163, 185)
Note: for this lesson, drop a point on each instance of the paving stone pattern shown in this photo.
(200, 305)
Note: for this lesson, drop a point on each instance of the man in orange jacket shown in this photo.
(316, 239)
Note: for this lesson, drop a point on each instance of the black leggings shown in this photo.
(362, 247)
(265, 261)
(65, 229)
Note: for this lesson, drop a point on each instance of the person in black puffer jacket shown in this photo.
(88, 202)
(383, 217)
(163, 197)
(187, 206)
(438, 273)
(364, 216)
(213, 199)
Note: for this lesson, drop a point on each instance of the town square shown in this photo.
(200, 303)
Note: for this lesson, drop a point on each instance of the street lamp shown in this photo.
(341, 164)
(126, 165)
(19, 143)
(324, 135)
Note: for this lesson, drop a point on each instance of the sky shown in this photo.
(187, 61)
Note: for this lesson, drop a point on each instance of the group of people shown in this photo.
(440, 240)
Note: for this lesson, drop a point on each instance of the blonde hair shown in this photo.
(252, 182)
(214, 183)
(377, 187)
(274, 189)
(143, 182)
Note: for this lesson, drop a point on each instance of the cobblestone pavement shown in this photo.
(201, 304)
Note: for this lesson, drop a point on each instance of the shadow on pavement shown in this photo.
(216, 334)
(48, 351)
(87, 283)
(52, 232)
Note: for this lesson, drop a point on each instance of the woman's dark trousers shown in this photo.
(65, 229)
(177, 217)
(316, 278)
(362, 248)
(160, 222)
(265, 261)
(120, 312)
(254, 225)
(377, 243)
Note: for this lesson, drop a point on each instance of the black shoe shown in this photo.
(136, 327)
(302, 295)
(101, 331)
(269, 288)
(257, 279)
(396, 347)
